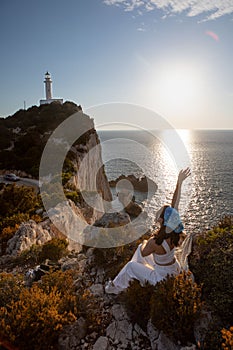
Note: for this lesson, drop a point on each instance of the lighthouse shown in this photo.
(48, 91)
(48, 86)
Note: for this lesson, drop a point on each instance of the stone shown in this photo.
(97, 289)
(164, 343)
(133, 209)
(119, 312)
(102, 343)
(71, 335)
(111, 330)
(201, 326)
(100, 274)
(140, 184)
(28, 234)
(90, 252)
(98, 234)
(69, 220)
(139, 330)
(110, 220)
(153, 334)
(120, 331)
(70, 264)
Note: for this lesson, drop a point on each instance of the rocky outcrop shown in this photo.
(119, 333)
(110, 230)
(111, 220)
(130, 206)
(29, 233)
(90, 177)
(142, 184)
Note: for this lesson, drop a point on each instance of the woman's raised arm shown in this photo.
(183, 174)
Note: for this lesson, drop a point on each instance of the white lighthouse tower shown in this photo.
(48, 91)
(48, 86)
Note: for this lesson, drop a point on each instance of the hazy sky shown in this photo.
(174, 57)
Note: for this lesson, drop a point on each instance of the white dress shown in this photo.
(150, 268)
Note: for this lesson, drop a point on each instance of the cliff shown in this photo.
(24, 138)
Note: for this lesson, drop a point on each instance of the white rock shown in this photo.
(97, 289)
(153, 334)
(164, 343)
(29, 233)
(119, 312)
(101, 344)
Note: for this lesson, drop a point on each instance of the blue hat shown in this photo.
(172, 220)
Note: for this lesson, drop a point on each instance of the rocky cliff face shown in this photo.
(90, 177)
(28, 132)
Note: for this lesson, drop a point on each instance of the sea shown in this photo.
(207, 195)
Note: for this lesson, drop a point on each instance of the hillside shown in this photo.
(24, 135)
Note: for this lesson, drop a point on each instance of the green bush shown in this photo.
(54, 249)
(17, 204)
(30, 256)
(211, 263)
(10, 288)
(73, 195)
(17, 199)
(227, 335)
(15, 219)
(32, 318)
(35, 319)
(173, 305)
(137, 302)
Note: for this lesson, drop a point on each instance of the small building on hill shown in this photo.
(48, 91)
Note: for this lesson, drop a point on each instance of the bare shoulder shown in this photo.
(152, 247)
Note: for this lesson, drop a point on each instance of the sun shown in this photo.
(178, 87)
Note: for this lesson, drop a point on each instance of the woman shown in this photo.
(155, 259)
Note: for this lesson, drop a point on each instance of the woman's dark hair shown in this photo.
(162, 234)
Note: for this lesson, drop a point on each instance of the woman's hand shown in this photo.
(183, 174)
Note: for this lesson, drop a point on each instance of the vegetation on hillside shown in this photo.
(174, 305)
(211, 262)
(24, 134)
(32, 318)
(17, 204)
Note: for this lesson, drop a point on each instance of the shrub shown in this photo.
(137, 302)
(17, 199)
(10, 288)
(17, 204)
(173, 305)
(112, 259)
(32, 318)
(30, 256)
(54, 250)
(63, 282)
(211, 263)
(34, 321)
(213, 337)
(73, 195)
(227, 335)
(15, 219)
(8, 232)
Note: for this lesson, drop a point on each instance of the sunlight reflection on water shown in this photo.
(211, 158)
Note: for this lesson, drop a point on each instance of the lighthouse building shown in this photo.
(48, 91)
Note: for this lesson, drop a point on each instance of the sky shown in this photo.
(169, 56)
